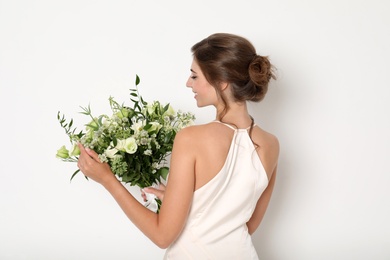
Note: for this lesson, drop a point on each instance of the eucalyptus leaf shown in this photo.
(74, 174)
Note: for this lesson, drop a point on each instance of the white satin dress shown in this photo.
(216, 225)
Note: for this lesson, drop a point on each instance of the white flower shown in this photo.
(150, 107)
(143, 133)
(155, 127)
(128, 145)
(62, 152)
(144, 141)
(110, 153)
(170, 111)
(107, 122)
(191, 122)
(75, 150)
(138, 126)
(102, 158)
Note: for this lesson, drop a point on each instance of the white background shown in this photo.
(329, 108)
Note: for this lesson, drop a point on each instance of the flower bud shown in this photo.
(124, 112)
(150, 108)
(154, 127)
(92, 125)
(75, 150)
(62, 153)
(170, 111)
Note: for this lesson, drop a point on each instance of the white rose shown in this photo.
(130, 145)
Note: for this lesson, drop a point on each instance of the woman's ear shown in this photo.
(223, 86)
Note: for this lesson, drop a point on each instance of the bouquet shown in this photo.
(135, 141)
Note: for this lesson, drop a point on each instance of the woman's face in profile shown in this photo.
(205, 93)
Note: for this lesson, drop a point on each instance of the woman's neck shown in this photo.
(236, 114)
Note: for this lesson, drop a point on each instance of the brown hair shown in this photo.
(224, 57)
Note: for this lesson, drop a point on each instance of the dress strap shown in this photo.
(231, 127)
(254, 124)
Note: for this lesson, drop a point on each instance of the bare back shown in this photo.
(212, 145)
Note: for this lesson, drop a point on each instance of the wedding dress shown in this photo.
(216, 226)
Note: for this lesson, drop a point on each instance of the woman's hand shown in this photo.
(91, 166)
(158, 192)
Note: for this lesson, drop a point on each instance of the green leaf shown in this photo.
(81, 134)
(94, 127)
(147, 126)
(114, 141)
(74, 174)
(166, 108)
(137, 106)
(168, 137)
(100, 120)
(164, 171)
(143, 102)
(137, 80)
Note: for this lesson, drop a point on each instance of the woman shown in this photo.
(222, 173)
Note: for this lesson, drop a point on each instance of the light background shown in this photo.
(329, 108)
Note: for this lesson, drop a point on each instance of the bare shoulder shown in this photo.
(186, 137)
(188, 134)
(194, 133)
(267, 148)
(265, 138)
(200, 139)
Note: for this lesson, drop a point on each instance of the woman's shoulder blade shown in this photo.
(268, 148)
(266, 138)
(196, 135)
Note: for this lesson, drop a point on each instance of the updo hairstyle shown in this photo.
(224, 57)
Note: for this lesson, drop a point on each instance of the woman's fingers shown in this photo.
(93, 154)
(159, 193)
(91, 166)
(88, 151)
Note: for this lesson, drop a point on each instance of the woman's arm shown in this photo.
(269, 154)
(261, 206)
(162, 228)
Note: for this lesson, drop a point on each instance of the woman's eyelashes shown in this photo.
(193, 77)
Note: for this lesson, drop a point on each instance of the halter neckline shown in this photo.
(232, 127)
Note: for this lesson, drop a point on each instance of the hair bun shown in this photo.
(260, 71)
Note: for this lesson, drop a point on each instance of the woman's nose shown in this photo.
(188, 83)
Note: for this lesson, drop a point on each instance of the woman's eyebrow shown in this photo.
(192, 71)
